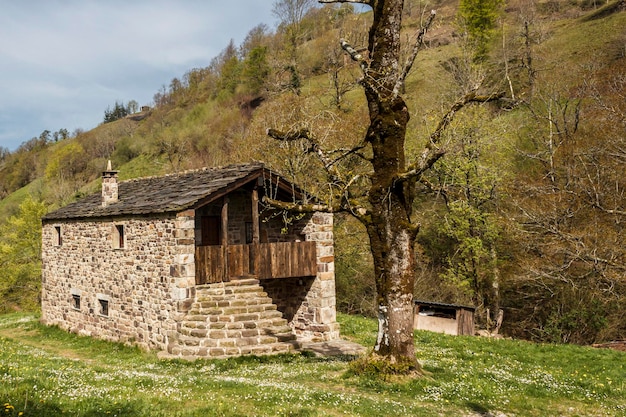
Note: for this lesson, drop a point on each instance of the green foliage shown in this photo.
(256, 69)
(65, 162)
(229, 75)
(354, 280)
(119, 111)
(20, 257)
(479, 18)
(462, 238)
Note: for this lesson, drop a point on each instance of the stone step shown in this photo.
(229, 295)
(250, 327)
(234, 302)
(233, 333)
(232, 318)
(224, 352)
(201, 314)
(240, 281)
(269, 321)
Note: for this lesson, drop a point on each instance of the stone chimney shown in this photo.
(109, 186)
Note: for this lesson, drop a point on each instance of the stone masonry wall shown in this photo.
(147, 283)
(309, 303)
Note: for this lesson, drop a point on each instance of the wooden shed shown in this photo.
(450, 319)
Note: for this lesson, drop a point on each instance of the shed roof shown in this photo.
(169, 193)
(445, 305)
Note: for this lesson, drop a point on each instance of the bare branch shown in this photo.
(470, 97)
(299, 207)
(348, 152)
(314, 147)
(355, 210)
(368, 2)
(335, 176)
(610, 211)
(289, 136)
(432, 153)
(419, 42)
(354, 54)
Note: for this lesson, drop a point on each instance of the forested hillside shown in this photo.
(525, 213)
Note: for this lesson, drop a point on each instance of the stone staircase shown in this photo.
(232, 319)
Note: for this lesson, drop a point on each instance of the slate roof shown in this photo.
(170, 193)
(435, 304)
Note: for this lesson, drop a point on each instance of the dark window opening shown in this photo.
(76, 301)
(59, 239)
(104, 307)
(118, 237)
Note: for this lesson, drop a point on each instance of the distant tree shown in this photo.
(119, 111)
(468, 230)
(44, 137)
(571, 212)
(4, 153)
(228, 67)
(479, 18)
(132, 107)
(256, 37)
(341, 80)
(256, 69)
(291, 14)
(60, 134)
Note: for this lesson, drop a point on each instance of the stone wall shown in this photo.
(145, 284)
(309, 303)
(143, 271)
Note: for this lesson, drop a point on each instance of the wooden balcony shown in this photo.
(220, 263)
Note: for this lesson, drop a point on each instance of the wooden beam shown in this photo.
(254, 249)
(225, 236)
(255, 216)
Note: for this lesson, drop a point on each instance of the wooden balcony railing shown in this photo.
(263, 260)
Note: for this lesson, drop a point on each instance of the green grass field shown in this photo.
(48, 372)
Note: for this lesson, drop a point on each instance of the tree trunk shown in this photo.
(391, 232)
(392, 248)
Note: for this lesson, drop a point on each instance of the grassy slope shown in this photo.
(45, 371)
(10, 204)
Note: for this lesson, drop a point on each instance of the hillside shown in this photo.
(525, 213)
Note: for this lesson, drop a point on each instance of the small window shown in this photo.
(104, 307)
(118, 236)
(76, 301)
(57, 236)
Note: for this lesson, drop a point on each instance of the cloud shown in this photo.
(63, 62)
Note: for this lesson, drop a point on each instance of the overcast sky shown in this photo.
(63, 62)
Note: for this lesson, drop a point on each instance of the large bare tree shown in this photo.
(381, 194)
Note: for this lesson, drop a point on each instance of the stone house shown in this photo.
(191, 264)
